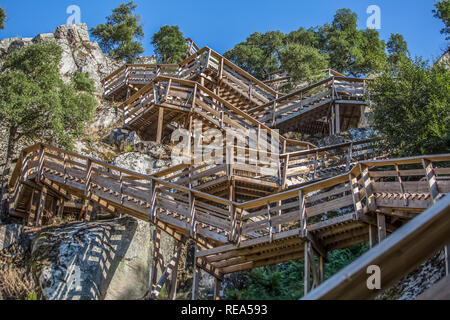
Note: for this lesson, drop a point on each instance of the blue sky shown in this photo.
(222, 24)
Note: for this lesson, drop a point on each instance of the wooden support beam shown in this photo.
(321, 269)
(32, 209)
(160, 128)
(431, 179)
(368, 188)
(355, 196)
(155, 260)
(41, 206)
(333, 121)
(447, 259)
(196, 277)
(373, 236)
(87, 210)
(307, 274)
(174, 280)
(338, 119)
(381, 222)
(217, 287)
(168, 270)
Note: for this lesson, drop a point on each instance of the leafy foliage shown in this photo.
(36, 103)
(285, 281)
(2, 18)
(120, 34)
(411, 107)
(442, 12)
(170, 45)
(302, 62)
(339, 45)
(258, 55)
(397, 48)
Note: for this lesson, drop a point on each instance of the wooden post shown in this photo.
(355, 196)
(368, 189)
(60, 207)
(447, 259)
(402, 189)
(338, 119)
(306, 282)
(217, 287)
(156, 255)
(381, 222)
(321, 269)
(41, 207)
(174, 281)
(196, 278)
(431, 179)
(333, 122)
(32, 209)
(169, 270)
(372, 236)
(86, 211)
(159, 131)
(302, 214)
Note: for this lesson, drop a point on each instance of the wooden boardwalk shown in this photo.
(241, 215)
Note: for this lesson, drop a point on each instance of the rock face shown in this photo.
(415, 283)
(79, 53)
(141, 163)
(92, 261)
(9, 234)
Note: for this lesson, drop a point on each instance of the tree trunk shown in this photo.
(12, 139)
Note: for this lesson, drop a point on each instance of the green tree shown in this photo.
(170, 45)
(36, 104)
(411, 107)
(347, 49)
(2, 18)
(396, 48)
(285, 281)
(302, 62)
(442, 12)
(259, 54)
(357, 52)
(121, 34)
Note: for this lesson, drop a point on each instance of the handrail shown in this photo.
(396, 256)
(306, 89)
(237, 111)
(252, 203)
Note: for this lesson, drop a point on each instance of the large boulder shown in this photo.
(10, 234)
(94, 261)
(79, 53)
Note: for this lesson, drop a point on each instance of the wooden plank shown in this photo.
(431, 179)
(41, 206)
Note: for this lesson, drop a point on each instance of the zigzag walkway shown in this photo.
(241, 214)
(328, 106)
(374, 199)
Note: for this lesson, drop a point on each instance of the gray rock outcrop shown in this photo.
(79, 53)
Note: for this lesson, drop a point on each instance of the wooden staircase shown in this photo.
(241, 215)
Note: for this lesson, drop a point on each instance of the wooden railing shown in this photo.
(229, 74)
(305, 166)
(188, 96)
(185, 210)
(136, 75)
(410, 184)
(384, 185)
(297, 102)
(396, 256)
